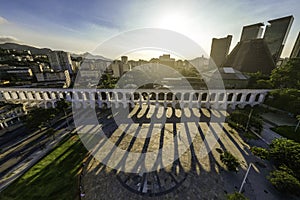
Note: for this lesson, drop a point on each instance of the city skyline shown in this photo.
(81, 27)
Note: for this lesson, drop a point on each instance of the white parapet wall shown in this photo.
(46, 97)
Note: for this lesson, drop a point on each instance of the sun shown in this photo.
(173, 21)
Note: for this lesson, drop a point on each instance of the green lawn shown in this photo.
(54, 177)
(288, 132)
(249, 135)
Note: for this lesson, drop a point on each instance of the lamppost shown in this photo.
(249, 117)
(244, 180)
(298, 117)
(66, 119)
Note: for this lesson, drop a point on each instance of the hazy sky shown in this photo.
(78, 26)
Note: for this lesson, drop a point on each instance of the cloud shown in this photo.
(4, 39)
(3, 20)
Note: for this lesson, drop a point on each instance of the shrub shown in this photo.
(279, 98)
(236, 196)
(288, 132)
(285, 182)
(239, 119)
(260, 152)
(230, 161)
(286, 152)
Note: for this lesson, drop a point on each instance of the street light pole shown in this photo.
(249, 117)
(297, 126)
(66, 117)
(244, 180)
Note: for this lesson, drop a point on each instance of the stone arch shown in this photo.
(204, 97)
(152, 96)
(25, 95)
(30, 95)
(15, 95)
(96, 96)
(8, 95)
(212, 96)
(239, 97)
(248, 97)
(136, 96)
(257, 97)
(120, 95)
(230, 97)
(110, 95)
(169, 96)
(87, 96)
(47, 95)
(145, 95)
(103, 96)
(80, 95)
(128, 96)
(195, 96)
(186, 96)
(178, 96)
(221, 97)
(161, 96)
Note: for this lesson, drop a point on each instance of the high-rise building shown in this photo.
(296, 49)
(276, 34)
(251, 56)
(219, 50)
(60, 61)
(124, 66)
(253, 31)
(124, 59)
(166, 59)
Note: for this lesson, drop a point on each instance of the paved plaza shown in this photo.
(190, 168)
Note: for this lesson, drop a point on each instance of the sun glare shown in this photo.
(173, 21)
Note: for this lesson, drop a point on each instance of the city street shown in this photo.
(19, 157)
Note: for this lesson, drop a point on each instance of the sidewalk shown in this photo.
(268, 134)
(24, 166)
(279, 119)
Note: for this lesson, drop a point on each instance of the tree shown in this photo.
(230, 161)
(286, 155)
(287, 99)
(107, 82)
(236, 196)
(286, 152)
(241, 117)
(39, 117)
(260, 152)
(62, 104)
(284, 182)
(258, 80)
(287, 76)
(263, 84)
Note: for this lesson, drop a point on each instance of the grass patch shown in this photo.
(288, 132)
(53, 177)
(249, 135)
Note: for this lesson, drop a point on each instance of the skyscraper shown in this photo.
(253, 31)
(296, 49)
(60, 61)
(276, 34)
(219, 50)
(251, 56)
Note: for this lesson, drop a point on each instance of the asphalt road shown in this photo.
(19, 145)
